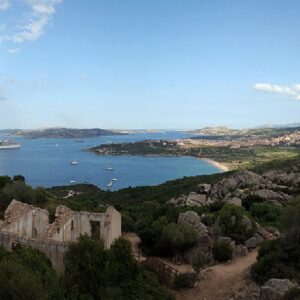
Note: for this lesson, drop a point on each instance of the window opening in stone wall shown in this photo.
(95, 232)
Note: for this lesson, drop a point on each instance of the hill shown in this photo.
(66, 133)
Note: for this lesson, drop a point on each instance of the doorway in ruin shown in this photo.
(95, 230)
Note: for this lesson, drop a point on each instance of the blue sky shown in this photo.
(149, 64)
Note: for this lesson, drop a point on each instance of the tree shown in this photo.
(4, 180)
(198, 262)
(93, 273)
(85, 268)
(178, 237)
(27, 274)
(19, 178)
(230, 221)
(222, 252)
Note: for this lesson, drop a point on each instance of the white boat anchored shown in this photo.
(6, 145)
(110, 184)
(109, 169)
(74, 163)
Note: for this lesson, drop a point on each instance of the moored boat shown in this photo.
(5, 144)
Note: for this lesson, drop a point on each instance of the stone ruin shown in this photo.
(29, 225)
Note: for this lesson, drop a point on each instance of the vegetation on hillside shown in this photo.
(281, 258)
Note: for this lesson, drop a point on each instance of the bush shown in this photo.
(198, 262)
(95, 273)
(4, 180)
(266, 213)
(185, 280)
(177, 238)
(231, 223)
(27, 274)
(222, 252)
(250, 200)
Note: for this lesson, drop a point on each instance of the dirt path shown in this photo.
(221, 280)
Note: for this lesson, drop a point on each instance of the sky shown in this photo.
(149, 64)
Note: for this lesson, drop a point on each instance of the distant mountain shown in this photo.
(215, 131)
(258, 131)
(66, 133)
(289, 125)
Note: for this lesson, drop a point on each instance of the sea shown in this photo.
(47, 162)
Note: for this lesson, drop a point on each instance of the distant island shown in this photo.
(62, 133)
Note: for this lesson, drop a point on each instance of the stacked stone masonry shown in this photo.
(29, 225)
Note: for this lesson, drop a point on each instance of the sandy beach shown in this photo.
(216, 164)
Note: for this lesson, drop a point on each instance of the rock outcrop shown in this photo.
(276, 289)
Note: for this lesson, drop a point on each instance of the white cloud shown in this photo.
(290, 91)
(13, 50)
(4, 4)
(34, 22)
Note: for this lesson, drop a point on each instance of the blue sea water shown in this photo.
(46, 162)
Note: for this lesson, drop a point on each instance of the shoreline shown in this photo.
(208, 160)
(216, 164)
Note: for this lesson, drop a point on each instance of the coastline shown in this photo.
(216, 164)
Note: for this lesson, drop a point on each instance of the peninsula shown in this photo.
(230, 149)
(66, 133)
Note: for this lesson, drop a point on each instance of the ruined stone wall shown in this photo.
(29, 225)
(114, 229)
(55, 251)
(25, 220)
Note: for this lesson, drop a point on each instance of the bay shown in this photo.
(47, 162)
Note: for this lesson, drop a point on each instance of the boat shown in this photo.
(78, 141)
(114, 179)
(109, 169)
(72, 181)
(110, 184)
(74, 163)
(6, 144)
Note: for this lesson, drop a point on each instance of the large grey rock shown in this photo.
(240, 250)
(189, 217)
(224, 239)
(271, 195)
(235, 201)
(254, 241)
(283, 178)
(276, 289)
(263, 233)
(178, 201)
(247, 222)
(204, 188)
(193, 219)
(195, 199)
(238, 180)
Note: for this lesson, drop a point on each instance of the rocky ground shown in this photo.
(220, 281)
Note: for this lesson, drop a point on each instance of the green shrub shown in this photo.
(231, 223)
(176, 238)
(27, 274)
(97, 273)
(222, 252)
(198, 262)
(266, 213)
(293, 294)
(274, 262)
(4, 180)
(250, 200)
(185, 280)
